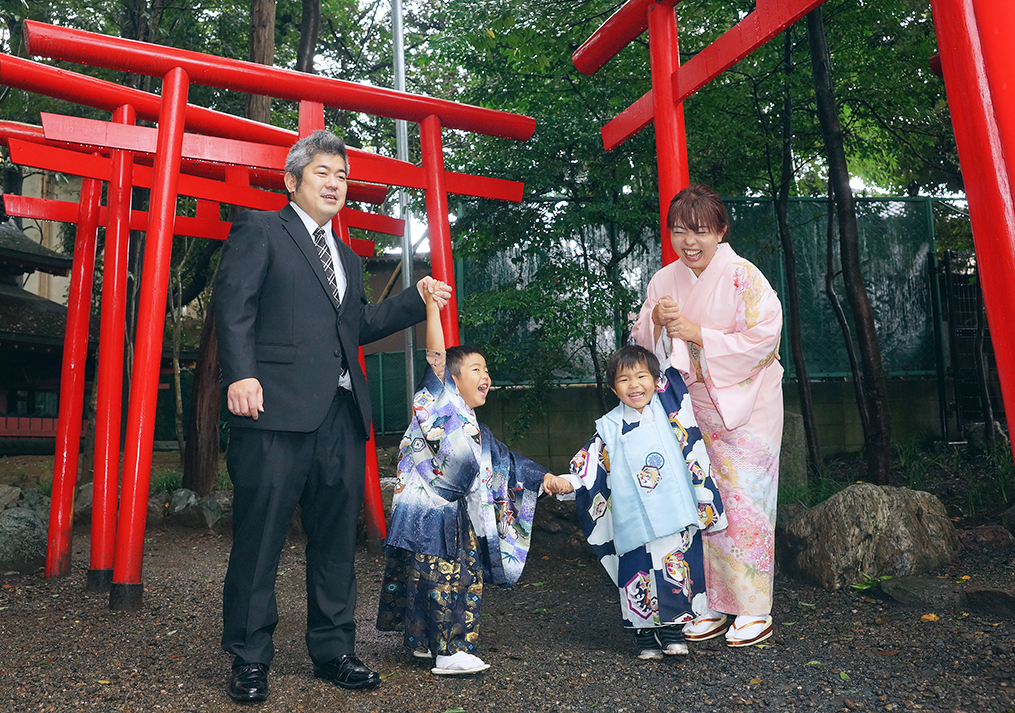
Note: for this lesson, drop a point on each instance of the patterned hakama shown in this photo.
(434, 601)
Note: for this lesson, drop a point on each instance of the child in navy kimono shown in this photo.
(644, 493)
(461, 514)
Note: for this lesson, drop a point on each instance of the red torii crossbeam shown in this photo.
(176, 69)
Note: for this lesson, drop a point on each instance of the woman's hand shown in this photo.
(684, 329)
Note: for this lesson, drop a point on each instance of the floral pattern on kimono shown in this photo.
(735, 383)
(661, 582)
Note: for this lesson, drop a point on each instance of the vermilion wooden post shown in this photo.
(442, 262)
(125, 592)
(995, 21)
(984, 175)
(109, 384)
(72, 383)
(671, 141)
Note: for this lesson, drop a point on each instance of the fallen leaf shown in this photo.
(755, 681)
(843, 675)
(788, 623)
(814, 663)
(103, 681)
(807, 604)
(929, 617)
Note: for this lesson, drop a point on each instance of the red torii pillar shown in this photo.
(975, 56)
(672, 83)
(109, 379)
(125, 590)
(72, 381)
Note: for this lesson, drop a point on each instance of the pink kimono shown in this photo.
(735, 383)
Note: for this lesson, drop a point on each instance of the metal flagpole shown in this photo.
(402, 147)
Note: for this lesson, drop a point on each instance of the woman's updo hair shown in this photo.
(698, 206)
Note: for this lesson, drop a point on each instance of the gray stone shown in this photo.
(973, 432)
(793, 456)
(181, 499)
(22, 540)
(35, 501)
(555, 530)
(9, 496)
(157, 504)
(83, 503)
(201, 515)
(991, 602)
(872, 530)
(1008, 520)
(986, 537)
(928, 593)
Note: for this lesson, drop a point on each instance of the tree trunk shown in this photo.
(262, 51)
(310, 30)
(878, 439)
(200, 466)
(982, 371)
(789, 260)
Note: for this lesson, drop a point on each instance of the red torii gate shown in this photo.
(977, 57)
(313, 92)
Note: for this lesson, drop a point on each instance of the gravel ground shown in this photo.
(554, 643)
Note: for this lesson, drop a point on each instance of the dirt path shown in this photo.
(554, 643)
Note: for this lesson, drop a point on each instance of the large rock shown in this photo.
(9, 496)
(22, 540)
(35, 501)
(202, 514)
(181, 499)
(868, 529)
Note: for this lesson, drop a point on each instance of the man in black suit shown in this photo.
(291, 314)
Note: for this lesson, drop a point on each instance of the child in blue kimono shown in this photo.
(461, 514)
(644, 493)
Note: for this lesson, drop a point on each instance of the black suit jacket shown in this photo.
(277, 321)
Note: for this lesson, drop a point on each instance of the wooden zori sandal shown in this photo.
(750, 631)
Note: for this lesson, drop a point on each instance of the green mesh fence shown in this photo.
(897, 259)
(897, 262)
(897, 249)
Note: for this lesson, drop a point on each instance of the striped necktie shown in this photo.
(329, 267)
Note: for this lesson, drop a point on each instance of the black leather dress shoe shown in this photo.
(249, 683)
(348, 672)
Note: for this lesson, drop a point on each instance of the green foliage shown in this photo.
(223, 482)
(167, 480)
(869, 582)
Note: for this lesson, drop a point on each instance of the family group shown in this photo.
(675, 491)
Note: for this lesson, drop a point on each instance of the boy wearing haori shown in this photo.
(461, 514)
(644, 493)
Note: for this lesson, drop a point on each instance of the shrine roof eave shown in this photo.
(18, 249)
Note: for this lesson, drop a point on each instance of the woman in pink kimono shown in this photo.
(718, 321)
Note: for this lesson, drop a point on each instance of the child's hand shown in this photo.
(432, 290)
(555, 485)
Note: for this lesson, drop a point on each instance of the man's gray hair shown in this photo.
(304, 150)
